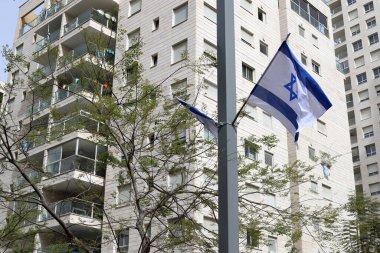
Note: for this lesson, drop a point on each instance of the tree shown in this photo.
(154, 157)
(362, 233)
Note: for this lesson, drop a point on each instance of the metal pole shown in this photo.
(228, 224)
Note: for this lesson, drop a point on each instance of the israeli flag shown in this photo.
(289, 93)
(326, 171)
(207, 122)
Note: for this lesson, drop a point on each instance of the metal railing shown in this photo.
(91, 14)
(73, 206)
(33, 142)
(338, 25)
(76, 162)
(50, 38)
(306, 15)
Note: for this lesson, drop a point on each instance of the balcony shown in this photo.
(79, 86)
(337, 25)
(107, 54)
(91, 14)
(38, 106)
(52, 37)
(74, 206)
(343, 67)
(20, 182)
(76, 162)
(313, 21)
(336, 10)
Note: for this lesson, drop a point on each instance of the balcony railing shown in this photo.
(321, 27)
(65, 249)
(38, 106)
(342, 67)
(107, 54)
(33, 142)
(77, 122)
(91, 14)
(336, 10)
(76, 162)
(73, 206)
(54, 36)
(338, 25)
(44, 15)
(339, 40)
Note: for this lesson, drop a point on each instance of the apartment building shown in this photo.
(357, 51)
(53, 34)
(2, 92)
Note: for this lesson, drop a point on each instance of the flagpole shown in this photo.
(246, 100)
(228, 222)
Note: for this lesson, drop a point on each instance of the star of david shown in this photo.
(289, 87)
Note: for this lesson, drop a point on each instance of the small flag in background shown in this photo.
(208, 122)
(289, 93)
(326, 170)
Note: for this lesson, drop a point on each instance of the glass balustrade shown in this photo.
(73, 206)
(50, 38)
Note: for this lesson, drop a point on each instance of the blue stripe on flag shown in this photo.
(306, 78)
(193, 109)
(277, 103)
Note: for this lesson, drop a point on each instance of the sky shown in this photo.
(8, 21)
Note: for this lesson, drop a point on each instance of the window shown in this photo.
(263, 48)
(154, 60)
(347, 84)
(321, 127)
(250, 150)
(365, 113)
(304, 59)
(349, 2)
(353, 14)
(272, 244)
(177, 178)
(355, 154)
(368, 7)
(156, 24)
(133, 38)
(179, 51)
(262, 15)
(210, 50)
(370, 150)
(373, 38)
(371, 23)
(376, 72)
(357, 173)
(124, 194)
(375, 55)
(359, 61)
(247, 5)
(267, 120)
(179, 89)
(314, 186)
(311, 153)
(357, 45)
(10, 105)
(19, 49)
(301, 31)
(15, 76)
(247, 36)
(211, 91)
(253, 236)
(377, 88)
(176, 227)
(315, 40)
(316, 67)
(251, 112)
(373, 169)
(180, 14)
(326, 192)
(362, 78)
(247, 72)
(363, 95)
(268, 157)
(123, 240)
(134, 7)
(210, 13)
(368, 131)
(374, 189)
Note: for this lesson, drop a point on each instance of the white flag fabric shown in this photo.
(207, 122)
(289, 93)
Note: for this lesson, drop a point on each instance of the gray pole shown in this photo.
(228, 224)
